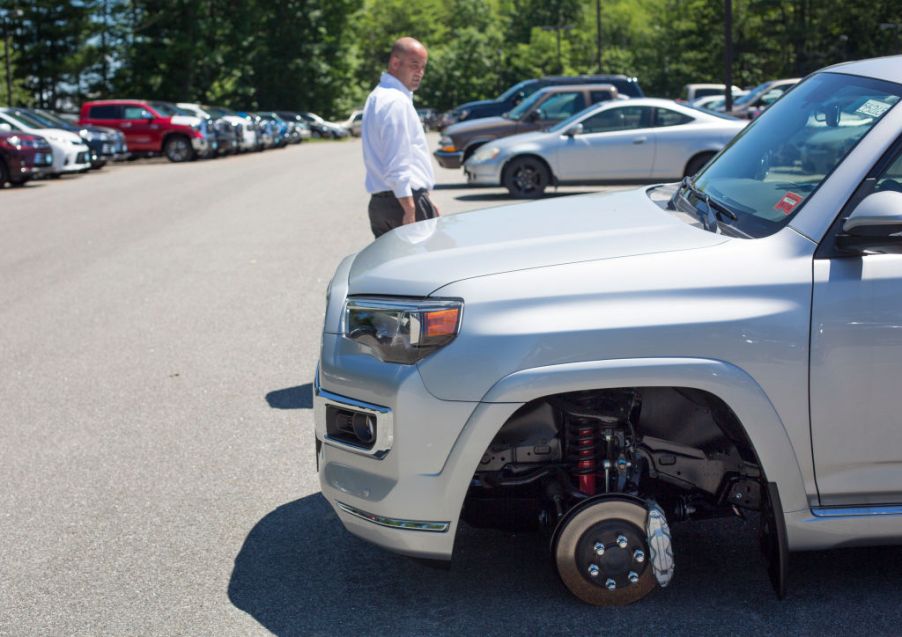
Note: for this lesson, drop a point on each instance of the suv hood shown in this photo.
(186, 120)
(484, 125)
(418, 259)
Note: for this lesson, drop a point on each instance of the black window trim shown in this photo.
(827, 248)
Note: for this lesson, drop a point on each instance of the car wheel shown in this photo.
(697, 163)
(178, 149)
(526, 177)
(4, 174)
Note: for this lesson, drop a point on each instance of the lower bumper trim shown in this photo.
(395, 523)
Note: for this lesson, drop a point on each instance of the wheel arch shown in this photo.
(474, 145)
(533, 155)
(708, 152)
(737, 389)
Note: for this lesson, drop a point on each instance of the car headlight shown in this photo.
(486, 154)
(18, 142)
(401, 331)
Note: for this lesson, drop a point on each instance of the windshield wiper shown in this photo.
(713, 205)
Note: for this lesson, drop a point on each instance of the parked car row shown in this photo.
(38, 143)
(596, 129)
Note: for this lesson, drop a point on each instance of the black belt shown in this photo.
(389, 193)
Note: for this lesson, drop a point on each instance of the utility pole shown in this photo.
(7, 45)
(598, 34)
(728, 54)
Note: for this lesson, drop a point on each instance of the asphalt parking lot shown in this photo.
(160, 328)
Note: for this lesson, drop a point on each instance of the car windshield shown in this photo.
(768, 172)
(168, 110)
(520, 109)
(29, 120)
(47, 121)
(755, 92)
(509, 93)
(573, 119)
(53, 120)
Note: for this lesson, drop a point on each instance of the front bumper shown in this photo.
(486, 173)
(203, 146)
(449, 160)
(406, 493)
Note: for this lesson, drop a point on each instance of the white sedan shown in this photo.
(640, 140)
(70, 152)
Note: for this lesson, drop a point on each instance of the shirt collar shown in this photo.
(390, 81)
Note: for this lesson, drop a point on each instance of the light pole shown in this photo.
(598, 34)
(728, 54)
(558, 28)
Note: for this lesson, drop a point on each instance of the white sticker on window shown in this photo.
(874, 108)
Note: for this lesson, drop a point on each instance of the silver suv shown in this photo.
(600, 368)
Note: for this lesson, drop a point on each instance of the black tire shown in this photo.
(178, 149)
(526, 177)
(697, 163)
(4, 173)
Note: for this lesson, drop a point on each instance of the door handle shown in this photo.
(640, 140)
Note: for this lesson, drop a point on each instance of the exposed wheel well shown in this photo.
(472, 148)
(679, 446)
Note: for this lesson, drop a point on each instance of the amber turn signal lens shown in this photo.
(441, 322)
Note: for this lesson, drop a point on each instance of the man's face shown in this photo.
(409, 68)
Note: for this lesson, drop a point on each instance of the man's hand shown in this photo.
(409, 208)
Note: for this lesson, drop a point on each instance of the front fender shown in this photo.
(731, 384)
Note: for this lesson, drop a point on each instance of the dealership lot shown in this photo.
(160, 330)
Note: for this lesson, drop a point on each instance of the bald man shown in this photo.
(399, 172)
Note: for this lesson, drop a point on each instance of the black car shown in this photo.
(628, 86)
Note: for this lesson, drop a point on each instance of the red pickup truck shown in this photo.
(151, 127)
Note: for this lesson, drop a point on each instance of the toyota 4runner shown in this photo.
(603, 367)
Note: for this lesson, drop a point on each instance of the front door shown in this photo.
(617, 143)
(856, 373)
(141, 133)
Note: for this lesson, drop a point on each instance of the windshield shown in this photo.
(28, 119)
(519, 86)
(49, 120)
(755, 92)
(168, 110)
(520, 109)
(768, 172)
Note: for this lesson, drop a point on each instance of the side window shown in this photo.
(891, 179)
(136, 112)
(600, 96)
(667, 117)
(561, 106)
(108, 111)
(614, 119)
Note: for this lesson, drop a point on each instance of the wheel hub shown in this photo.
(601, 552)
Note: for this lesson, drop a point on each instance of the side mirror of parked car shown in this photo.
(5, 128)
(535, 115)
(875, 225)
(576, 129)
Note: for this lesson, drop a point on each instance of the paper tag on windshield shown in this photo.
(787, 202)
(873, 108)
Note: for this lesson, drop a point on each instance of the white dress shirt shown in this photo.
(394, 143)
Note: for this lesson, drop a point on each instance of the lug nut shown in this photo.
(622, 541)
(599, 549)
(611, 584)
(639, 555)
(593, 570)
(634, 577)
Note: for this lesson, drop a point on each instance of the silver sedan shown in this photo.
(640, 140)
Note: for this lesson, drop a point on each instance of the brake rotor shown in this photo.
(602, 554)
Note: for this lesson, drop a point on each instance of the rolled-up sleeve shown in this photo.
(397, 146)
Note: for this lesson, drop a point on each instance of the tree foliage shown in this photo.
(325, 55)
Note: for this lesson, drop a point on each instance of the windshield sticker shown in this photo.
(788, 202)
(873, 108)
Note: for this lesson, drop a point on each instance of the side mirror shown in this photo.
(875, 225)
(535, 115)
(6, 128)
(573, 131)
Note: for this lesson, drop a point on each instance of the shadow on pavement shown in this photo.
(299, 397)
(300, 573)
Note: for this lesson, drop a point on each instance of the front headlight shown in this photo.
(401, 331)
(486, 154)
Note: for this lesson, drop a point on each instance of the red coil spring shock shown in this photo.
(586, 465)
